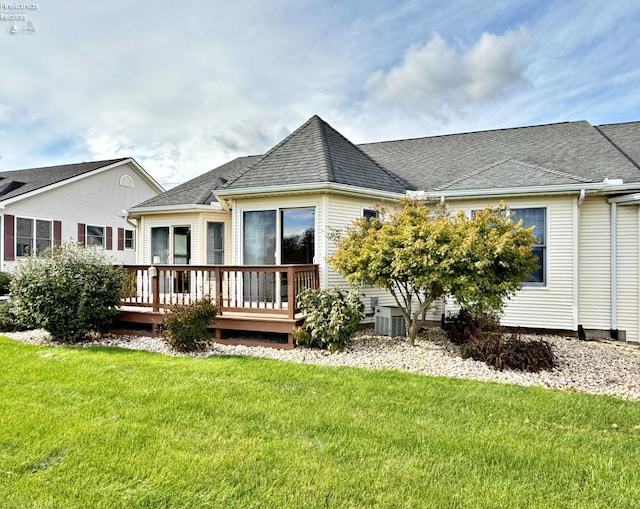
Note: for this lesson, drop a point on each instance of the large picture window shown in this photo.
(33, 236)
(536, 217)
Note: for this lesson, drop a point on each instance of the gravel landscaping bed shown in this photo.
(597, 367)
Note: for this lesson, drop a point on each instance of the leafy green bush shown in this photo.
(479, 338)
(331, 318)
(186, 326)
(68, 291)
(5, 283)
(8, 320)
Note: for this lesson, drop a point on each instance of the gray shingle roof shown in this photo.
(317, 153)
(554, 154)
(17, 182)
(567, 153)
(198, 190)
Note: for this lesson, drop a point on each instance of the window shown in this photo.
(215, 243)
(171, 244)
(32, 233)
(95, 236)
(129, 239)
(370, 213)
(535, 217)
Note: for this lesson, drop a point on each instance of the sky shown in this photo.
(183, 87)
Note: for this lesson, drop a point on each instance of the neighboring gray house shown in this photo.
(84, 202)
(578, 184)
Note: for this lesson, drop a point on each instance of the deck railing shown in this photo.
(271, 289)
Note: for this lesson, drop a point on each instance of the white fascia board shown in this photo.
(129, 161)
(322, 187)
(168, 209)
(599, 187)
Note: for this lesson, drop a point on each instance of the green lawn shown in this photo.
(99, 427)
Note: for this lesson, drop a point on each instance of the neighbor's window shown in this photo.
(215, 243)
(32, 233)
(129, 239)
(535, 217)
(95, 236)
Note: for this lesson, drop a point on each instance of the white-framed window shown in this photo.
(95, 236)
(33, 235)
(537, 217)
(129, 239)
(171, 244)
(215, 243)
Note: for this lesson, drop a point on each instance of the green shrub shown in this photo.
(8, 320)
(331, 318)
(186, 326)
(5, 283)
(68, 291)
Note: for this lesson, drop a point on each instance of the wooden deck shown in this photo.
(250, 299)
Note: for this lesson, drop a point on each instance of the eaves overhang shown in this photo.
(604, 188)
(298, 189)
(135, 212)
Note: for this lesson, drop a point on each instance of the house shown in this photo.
(84, 202)
(578, 184)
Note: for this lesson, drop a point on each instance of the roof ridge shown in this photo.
(291, 135)
(502, 161)
(475, 132)
(614, 145)
(391, 174)
(326, 146)
(105, 162)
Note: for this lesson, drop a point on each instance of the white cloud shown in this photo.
(439, 79)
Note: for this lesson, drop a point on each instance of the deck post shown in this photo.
(219, 296)
(155, 289)
(291, 292)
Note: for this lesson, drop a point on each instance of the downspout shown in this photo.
(581, 197)
(614, 270)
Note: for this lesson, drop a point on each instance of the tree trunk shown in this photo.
(412, 330)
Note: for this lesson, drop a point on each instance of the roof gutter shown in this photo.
(193, 207)
(611, 186)
(320, 187)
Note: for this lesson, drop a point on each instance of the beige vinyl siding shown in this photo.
(594, 264)
(551, 306)
(342, 211)
(627, 273)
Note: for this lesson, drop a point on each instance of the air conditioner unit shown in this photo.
(389, 321)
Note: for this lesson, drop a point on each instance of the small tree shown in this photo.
(420, 255)
(68, 291)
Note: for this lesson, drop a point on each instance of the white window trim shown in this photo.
(34, 233)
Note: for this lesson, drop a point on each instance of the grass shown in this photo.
(109, 428)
